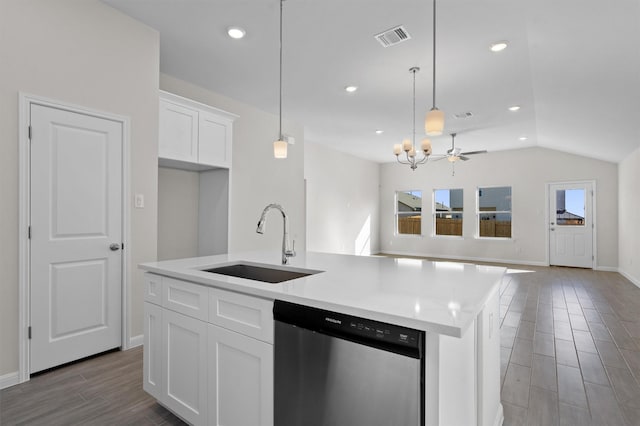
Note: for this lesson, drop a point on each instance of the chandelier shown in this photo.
(409, 145)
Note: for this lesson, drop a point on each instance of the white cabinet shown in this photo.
(193, 135)
(184, 366)
(152, 362)
(208, 353)
(178, 132)
(240, 379)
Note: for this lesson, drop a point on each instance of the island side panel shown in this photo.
(488, 331)
(457, 379)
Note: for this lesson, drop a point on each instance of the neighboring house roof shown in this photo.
(411, 201)
(565, 215)
(442, 208)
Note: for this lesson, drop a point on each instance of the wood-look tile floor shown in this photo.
(570, 347)
(570, 354)
(104, 390)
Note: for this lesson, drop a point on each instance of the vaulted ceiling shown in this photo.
(573, 66)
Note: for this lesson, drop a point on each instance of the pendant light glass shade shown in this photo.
(280, 149)
(434, 122)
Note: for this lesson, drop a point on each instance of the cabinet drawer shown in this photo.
(184, 297)
(246, 315)
(153, 288)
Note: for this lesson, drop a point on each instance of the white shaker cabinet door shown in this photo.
(240, 379)
(184, 366)
(178, 132)
(214, 147)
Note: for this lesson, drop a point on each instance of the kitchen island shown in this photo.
(220, 317)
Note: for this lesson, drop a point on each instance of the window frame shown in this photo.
(434, 213)
(479, 212)
(396, 230)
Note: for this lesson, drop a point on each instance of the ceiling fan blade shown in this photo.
(463, 158)
(438, 157)
(474, 152)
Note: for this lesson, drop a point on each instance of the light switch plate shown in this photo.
(139, 201)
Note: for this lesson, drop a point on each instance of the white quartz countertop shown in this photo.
(439, 297)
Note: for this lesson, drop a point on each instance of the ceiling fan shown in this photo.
(454, 154)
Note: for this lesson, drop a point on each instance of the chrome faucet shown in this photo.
(286, 252)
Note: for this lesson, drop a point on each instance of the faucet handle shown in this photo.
(292, 252)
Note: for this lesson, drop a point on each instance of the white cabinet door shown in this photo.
(184, 365)
(240, 379)
(178, 132)
(214, 142)
(152, 360)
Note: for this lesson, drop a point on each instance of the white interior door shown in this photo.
(76, 235)
(571, 224)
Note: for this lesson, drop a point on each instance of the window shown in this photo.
(447, 211)
(494, 212)
(409, 212)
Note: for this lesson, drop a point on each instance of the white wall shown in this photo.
(257, 179)
(527, 171)
(629, 218)
(85, 53)
(342, 202)
(178, 205)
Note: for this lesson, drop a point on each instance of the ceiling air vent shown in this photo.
(393, 36)
(463, 115)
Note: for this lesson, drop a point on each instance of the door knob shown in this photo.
(553, 229)
(114, 247)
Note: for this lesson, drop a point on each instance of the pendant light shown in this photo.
(280, 146)
(434, 122)
(408, 145)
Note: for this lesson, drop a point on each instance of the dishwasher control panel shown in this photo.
(391, 337)
(382, 331)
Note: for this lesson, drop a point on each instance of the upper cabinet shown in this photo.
(193, 136)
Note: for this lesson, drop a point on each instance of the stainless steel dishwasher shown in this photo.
(333, 369)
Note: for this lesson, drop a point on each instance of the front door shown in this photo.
(76, 235)
(571, 224)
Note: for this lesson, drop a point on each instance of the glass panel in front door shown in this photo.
(570, 205)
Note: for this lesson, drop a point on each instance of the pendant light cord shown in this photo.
(434, 54)
(413, 70)
(280, 110)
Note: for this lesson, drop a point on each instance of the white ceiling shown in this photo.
(572, 65)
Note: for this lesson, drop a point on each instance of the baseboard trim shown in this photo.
(635, 281)
(606, 269)
(467, 259)
(9, 380)
(136, 341)
(499, 416)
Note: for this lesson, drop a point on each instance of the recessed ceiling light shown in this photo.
(351, 89)
(514, 108)
(379, 132)
(523, 138)
(236, 32)
(499, 46)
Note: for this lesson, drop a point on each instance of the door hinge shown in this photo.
(29, 332)
(29, 232)
(29, 132)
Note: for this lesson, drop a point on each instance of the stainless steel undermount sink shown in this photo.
(263, 273)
